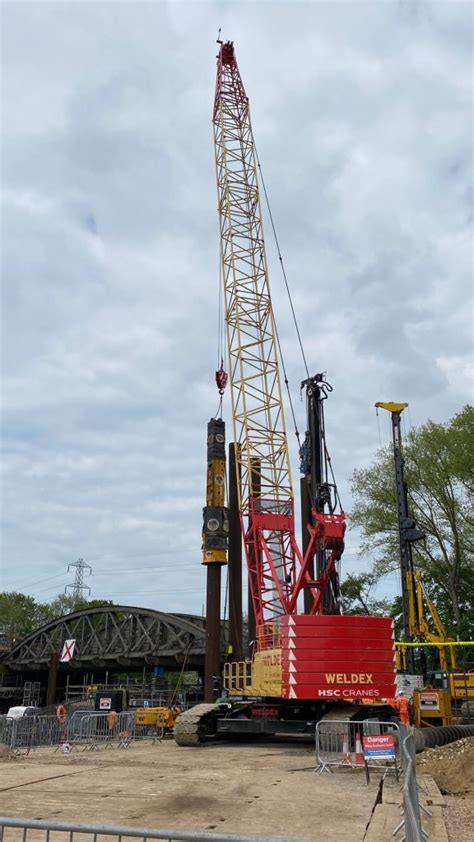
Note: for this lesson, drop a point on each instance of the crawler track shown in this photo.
(192, 726)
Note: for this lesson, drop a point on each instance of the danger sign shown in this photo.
(105, 703)
(429, 700)
(381, 747)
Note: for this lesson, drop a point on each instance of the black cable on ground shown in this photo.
(441, 735)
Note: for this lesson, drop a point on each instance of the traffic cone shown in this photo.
(346, 755)
(359, 753)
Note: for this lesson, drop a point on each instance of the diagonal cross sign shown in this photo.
(68, 650)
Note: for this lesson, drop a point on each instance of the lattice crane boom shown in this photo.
(257, 406)
(259, 422)
(277, 570)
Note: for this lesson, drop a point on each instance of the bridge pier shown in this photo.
(52, 679)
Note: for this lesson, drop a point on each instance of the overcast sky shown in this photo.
(362, 114)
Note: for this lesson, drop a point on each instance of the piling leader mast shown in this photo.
(321, 655)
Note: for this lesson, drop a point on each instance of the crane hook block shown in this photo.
(221, 379)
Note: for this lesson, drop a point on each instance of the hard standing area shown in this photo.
(262, 788)
(267, 788)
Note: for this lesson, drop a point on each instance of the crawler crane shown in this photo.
(305, 665)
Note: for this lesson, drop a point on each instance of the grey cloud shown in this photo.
(110, 263)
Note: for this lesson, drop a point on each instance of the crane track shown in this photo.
(188, 730)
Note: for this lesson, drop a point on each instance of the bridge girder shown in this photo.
(114, 636)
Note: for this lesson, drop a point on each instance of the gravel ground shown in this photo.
(459, 818)
(451, 766)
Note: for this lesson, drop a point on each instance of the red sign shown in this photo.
(380, 746)
(429, 700)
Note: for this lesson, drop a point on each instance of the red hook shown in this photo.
(221, 378)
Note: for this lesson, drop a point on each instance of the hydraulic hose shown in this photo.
(441, 735)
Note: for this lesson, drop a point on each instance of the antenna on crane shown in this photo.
(78, 585)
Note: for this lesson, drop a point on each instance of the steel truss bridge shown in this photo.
(114, 637)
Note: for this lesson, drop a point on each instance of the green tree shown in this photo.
(66, 604)
(18, 614)
(358, 598)
(439, 470)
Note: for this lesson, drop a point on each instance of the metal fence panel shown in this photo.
(411, 821)
(12, 830)
(339, 743)
(89, 729)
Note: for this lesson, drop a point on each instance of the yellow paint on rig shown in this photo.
(431, 706)
(461, 685)
(215, 495)
(390, 406)
(260, 676)
(159, 717)
(210, 556)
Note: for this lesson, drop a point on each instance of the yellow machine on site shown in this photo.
(451, 685)
(158, 717)
(446, 687)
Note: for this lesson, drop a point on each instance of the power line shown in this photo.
(107, 571)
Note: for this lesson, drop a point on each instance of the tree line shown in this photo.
(21, 614)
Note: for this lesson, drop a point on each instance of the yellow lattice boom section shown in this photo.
(257, 406)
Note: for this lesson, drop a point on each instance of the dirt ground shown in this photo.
(452, 767)
(262, 789)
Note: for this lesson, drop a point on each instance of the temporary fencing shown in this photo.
(12, 830)
(411, 821)
(87, 729)
(93, 730)
(29, 732)
(364, 743)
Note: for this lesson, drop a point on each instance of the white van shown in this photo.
(20, 711)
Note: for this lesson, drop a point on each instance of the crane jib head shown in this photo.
(227, 54)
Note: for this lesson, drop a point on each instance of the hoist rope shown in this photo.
(280, 352)
(280, 258)
(327, 458)
(378, 425)
(219, 408)
(220, 318)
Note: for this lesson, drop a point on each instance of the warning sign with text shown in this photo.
(429, 700)
(380, 747)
